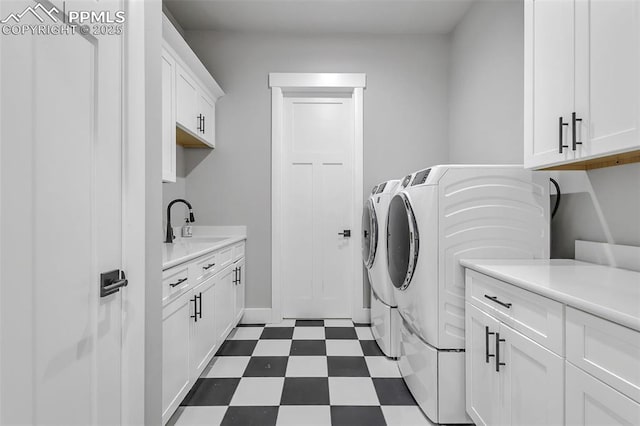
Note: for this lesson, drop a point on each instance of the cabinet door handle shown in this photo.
(574, 121)
(209, 266)
(498, 363)
(199, 296)
(487, 333)
(199, 122)
(177, 283)
(499, 302)
(195, 308)
(203, 123)
(240, 275)
(561, 125)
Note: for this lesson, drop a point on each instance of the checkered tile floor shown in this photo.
(300, 372)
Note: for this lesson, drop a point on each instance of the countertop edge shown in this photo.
(215, 246)
(567, 299)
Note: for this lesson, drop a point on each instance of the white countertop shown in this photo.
(607, 292)
(186, 249)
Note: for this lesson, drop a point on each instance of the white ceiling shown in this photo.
(320, 16)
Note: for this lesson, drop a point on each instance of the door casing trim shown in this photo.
(281, 83)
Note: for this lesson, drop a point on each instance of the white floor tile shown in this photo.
(338, 323)
(228, 366)
(283, 323)
(364, 333)
(273, 347)
(352, 391)
(308, 333)
(405, 416)
(198, 416)
(308, 415)
(307, 366)
(258, 391)
(245, 333)
(380, 366)
(344, 348)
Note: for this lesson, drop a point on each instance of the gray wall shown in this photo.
(405, 125)
(486, 125)
(486, 85)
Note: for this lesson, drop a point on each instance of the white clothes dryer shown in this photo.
(448, 213)
(385, 321)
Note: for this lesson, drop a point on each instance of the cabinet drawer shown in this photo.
(224, 257)
(174, 282)
(207, 266)
(537, 317)
(238, 251)
(606, 350)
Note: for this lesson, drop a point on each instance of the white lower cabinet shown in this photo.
(592, 402)
(176, 366)
(224, 303)
(239, 281)
(510, 378)
(521, 377)
(203, 326)
(200, 310)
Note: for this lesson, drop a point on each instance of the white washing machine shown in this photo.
(448, 213)
(385, 321)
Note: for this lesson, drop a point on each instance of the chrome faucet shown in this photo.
(170, 237)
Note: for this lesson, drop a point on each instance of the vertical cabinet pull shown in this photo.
(561, 125)
(498, 363)
(203, 123)
(195, 308)
(487, 355)
(240, 275)
(574, 121)
(199, 296)
(199, 122)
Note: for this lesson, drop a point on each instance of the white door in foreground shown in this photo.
(317, 202)
(61, 211)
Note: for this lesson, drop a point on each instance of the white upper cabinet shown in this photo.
(582, 82)
(186, 100)
(189, 95)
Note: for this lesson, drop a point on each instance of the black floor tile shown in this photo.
(309, 323)
(266, 366)
(340, 333)
(393, 391)
(237, 348)
(211, 392)
(277, 333)
(356, 416)
(305, 391)
(308, 347)
(370, 348)
(250, 416)
(347, 366)
(250, 325)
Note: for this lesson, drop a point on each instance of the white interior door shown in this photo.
(317, 203)
(61, 225)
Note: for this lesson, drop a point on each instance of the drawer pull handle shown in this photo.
(499, 302)
(209, 266)
(498, 363)
(561, 125)
(177, 283)
(487, 333)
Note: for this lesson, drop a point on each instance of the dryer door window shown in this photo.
(369, 233)
(402, 241)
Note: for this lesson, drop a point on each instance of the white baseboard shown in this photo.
(256, 316)
(362, 316)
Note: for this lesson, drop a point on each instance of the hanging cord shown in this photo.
(558, 195)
